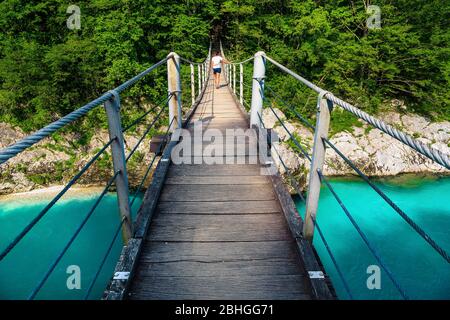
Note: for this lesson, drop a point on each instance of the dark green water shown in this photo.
(23, 268)
(422, 272)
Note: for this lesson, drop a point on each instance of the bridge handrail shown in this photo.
(116, 135)
(37, 218)
(323, 95)
(362, 235)
(192, 62)
(236, 62)
(299, 193)
(18, 147)
(72, 238)
(430, 152)
(355, 225)
(230, 77)
(243, 61)
(416, 228)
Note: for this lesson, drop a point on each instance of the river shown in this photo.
(421, 272)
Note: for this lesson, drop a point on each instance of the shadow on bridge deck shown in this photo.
(218, 230)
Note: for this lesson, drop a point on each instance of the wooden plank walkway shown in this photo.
(218, 231)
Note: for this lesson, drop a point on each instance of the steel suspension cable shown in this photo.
(432, 153)
(419, 230)
(291, 177)
(243, 61)
(405, 217)
(150, 166)
(148, 128)
(363, 236)
(300, 117)
(108, 251)
(11, 151)
(36, 219)
(333, 259)
(327, 247)
(72, 238)
(303, 151)
(140, 118)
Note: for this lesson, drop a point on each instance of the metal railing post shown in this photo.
(199, 79)
(234, 78)
(112, 108)
(174, 87)
(324, 108)
(192, 83)
(259, 73)
(204, 73)
(241, 84)
(226, 74)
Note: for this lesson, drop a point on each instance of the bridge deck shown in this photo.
(218, 231)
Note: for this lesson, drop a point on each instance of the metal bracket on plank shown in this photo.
(316, 275)
(121, 275)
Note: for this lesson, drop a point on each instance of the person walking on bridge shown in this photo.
(217, 62)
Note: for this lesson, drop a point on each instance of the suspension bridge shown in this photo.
(217, 220)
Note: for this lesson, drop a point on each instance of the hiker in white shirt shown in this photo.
(217, 61)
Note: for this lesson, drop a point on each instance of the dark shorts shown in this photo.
(217, 70)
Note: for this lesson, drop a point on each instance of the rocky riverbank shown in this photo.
(374, 152)
(57, 160)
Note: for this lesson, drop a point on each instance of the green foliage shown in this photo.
(47, 70)
(329, 43)
(342, 121)
(291, 143)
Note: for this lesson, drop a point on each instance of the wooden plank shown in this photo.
(220, 150)
(223, 130)
(220, 160)
(213, 114)
(226, 123)
(218, 107)
(217, 192)
(117, 289)
(219, 258)
(237, 132)
(152, 194)
(226, 180)
(239, 267)
(214, 170)
(285, 287)
(214, 251)
(255, 227)
(319, 287)
(221, 126)
(208, 116)
(208, 207)
(222, 119)
(210, 113)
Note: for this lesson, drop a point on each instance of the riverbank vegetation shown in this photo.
(48, 70)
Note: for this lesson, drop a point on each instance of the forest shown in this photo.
(48, 70)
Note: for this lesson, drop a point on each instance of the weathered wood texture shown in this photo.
(218, 231)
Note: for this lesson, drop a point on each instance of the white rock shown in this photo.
(282, 133)
(269, 117)
(414, 123)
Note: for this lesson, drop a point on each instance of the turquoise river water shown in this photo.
(24, 267)
(421, 272)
